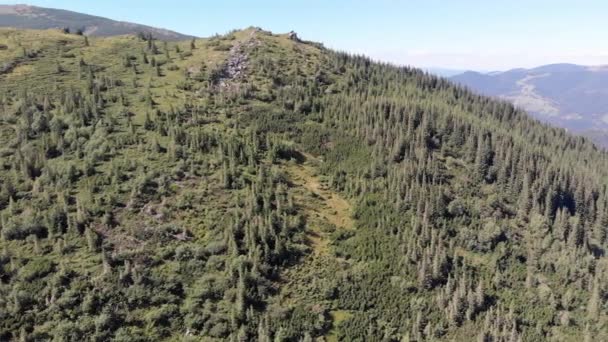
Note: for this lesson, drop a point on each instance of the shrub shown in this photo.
(35, 269)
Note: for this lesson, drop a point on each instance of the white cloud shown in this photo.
(572, 116)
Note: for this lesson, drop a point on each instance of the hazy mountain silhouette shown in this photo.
(32, 17)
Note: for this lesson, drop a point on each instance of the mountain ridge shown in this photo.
(34, 17)
(566, 95)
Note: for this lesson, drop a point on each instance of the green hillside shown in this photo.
(256, 187)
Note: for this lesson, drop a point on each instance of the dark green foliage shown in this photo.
(154, 198)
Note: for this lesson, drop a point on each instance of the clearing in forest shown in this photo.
(323, 207)
(325, 211)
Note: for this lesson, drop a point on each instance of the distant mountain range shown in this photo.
(444, 72)
(32, 17)
(571, 96)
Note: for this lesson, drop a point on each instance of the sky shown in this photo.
(480, 35)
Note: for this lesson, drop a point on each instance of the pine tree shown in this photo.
(91, 237)
(524, 203)
(593, 307)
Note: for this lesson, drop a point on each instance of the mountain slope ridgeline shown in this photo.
(33, 17)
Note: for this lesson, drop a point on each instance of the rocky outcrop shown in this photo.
(293, 36)
(238, 60)
(7, 67)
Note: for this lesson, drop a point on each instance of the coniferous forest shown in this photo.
(257, 187)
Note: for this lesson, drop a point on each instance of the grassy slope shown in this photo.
(198, 203)
(207, 203)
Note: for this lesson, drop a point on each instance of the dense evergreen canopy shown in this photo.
(258, 187)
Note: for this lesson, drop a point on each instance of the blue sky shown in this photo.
(460, 34)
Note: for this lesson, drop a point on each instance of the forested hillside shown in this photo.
(256, 187)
